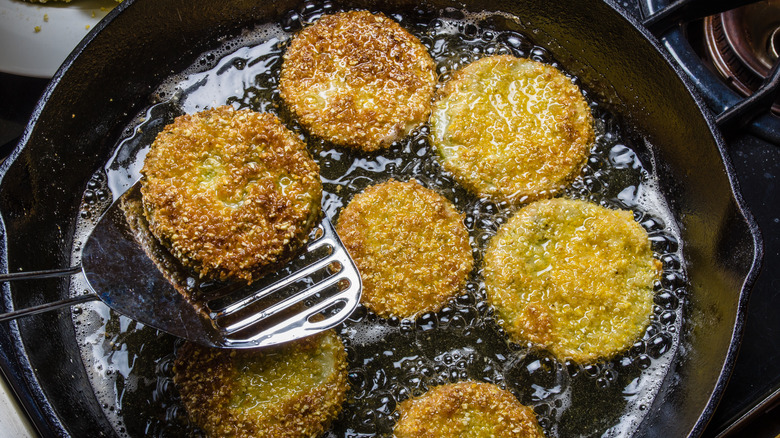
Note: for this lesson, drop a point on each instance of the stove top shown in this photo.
(755, 153)
(753, 390)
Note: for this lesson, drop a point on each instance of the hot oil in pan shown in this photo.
(390, 360)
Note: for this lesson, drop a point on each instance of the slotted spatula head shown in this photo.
(134, 275)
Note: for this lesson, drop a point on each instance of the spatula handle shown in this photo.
(34, 275)
(683, 11)
(47, 307)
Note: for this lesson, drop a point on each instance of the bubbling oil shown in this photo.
(390, 360)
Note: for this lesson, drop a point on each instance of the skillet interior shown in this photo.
(91, 100)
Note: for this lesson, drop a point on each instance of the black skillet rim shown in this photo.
(18, 370)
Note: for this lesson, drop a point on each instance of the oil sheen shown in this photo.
(390, 360)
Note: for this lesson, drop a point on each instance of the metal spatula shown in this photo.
(131, 273)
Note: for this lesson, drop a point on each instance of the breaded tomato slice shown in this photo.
(466, 410)
(511, 129)
(230, 192)
(573, 277)
(290, 390)
(358, 79)
(410, 245)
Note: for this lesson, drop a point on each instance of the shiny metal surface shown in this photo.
(749, 31)
(741, 44)
(128, 270)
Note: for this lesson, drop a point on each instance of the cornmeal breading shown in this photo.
(230, 192)
(292, 390)
(573, 277)
(466, 410)
(358, 79)
(410, 245)
(511, 129)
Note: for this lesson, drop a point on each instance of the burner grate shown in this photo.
(717, 90)
(748, 406)
(743, 45)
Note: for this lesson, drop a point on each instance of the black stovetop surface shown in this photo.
(756, 374)
(757, 371)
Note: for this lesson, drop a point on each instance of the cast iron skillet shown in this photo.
(111, 75)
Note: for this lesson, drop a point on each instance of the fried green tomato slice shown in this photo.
(230, 192)
(410, 245)
(358, 79)
(511, 129)
(573, 277)
(466, 410)
(291, 390)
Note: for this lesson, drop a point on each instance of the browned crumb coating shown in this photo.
(511, 128)
(230, 192)
(358, 79)
(291, 390)
(410, 245)
(466, 410)
(573, 277)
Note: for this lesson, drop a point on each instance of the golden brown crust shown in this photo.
(466, 410)
(511, 128)
(292, 390)
(572, 277)
(230, 192)
(410, 245)
(358, 79)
